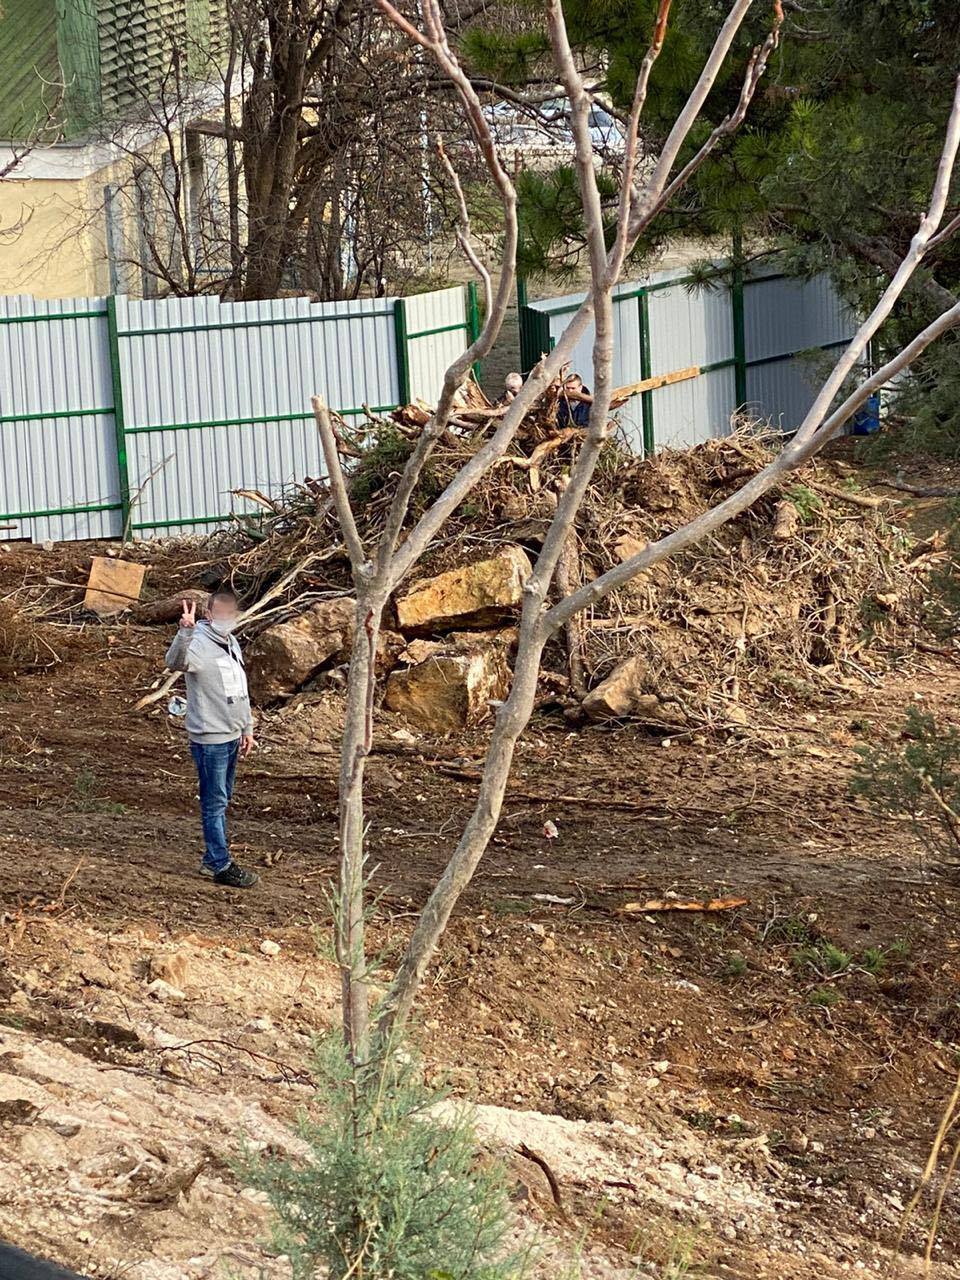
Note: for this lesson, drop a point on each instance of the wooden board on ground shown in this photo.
(683, 904)
(113, 585)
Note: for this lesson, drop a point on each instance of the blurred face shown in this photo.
(221, 613)
(513, 383)
(574, 382)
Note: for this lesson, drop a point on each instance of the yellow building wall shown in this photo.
(52, 237)
(53, 231)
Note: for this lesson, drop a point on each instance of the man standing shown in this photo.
(219, 723)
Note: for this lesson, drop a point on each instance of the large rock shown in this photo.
(282, 657)
(173, 967)
(452, 687)
(622, 695)
(475, 594)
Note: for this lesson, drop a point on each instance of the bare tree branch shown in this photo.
(434, 41)
(755, 69)
(464, 239)
(338, 487)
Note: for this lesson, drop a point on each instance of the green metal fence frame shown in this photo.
(120, 430)
(534, 328)
(535, 336)
(401, 342)
(258, 322)
(470, 324)
(472, 301)
(89, 508)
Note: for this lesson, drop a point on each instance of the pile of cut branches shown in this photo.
(811, 588)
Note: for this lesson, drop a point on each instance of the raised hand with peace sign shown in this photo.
(188, 616)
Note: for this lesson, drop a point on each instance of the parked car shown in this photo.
(547, 128)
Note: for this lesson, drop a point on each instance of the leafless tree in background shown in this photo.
(39, 132)
(291, 154)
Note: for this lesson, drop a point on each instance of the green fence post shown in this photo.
(473, 321)
(522, 300)
(403, 358)
(534, 326)
(646, 397)
(118, 423)
(739, 324)
(523, 323)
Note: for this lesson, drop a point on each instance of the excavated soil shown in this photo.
(708, 1103)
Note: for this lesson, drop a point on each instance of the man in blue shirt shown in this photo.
(575, 402)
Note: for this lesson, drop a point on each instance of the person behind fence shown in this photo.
(575, 402)
(512, 385)
(219, 722)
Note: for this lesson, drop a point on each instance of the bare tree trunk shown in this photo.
(512, 718)
(355, 747)
(357, 741)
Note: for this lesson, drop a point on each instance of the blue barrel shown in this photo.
(866, 421)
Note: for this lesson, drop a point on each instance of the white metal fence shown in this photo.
(755, 340)
(97, 393)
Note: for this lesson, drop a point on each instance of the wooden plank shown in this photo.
(113, 585)
(622, 394)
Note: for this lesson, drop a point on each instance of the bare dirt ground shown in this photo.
(709, 1102)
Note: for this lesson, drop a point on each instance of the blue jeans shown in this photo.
(216, 769)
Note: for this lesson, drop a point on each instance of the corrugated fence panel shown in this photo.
(627, 361)
(225, 389)
(689, 327)
(696, 326)
(782, 317)
(581, 358)
(626, 336)
(687, 413)
(58, 462)
(213, 397)
(437, 331)
(782, 391)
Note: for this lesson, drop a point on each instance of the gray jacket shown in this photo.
(218, 702)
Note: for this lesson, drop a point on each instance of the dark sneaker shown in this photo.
(234, 877)
(205, 871)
